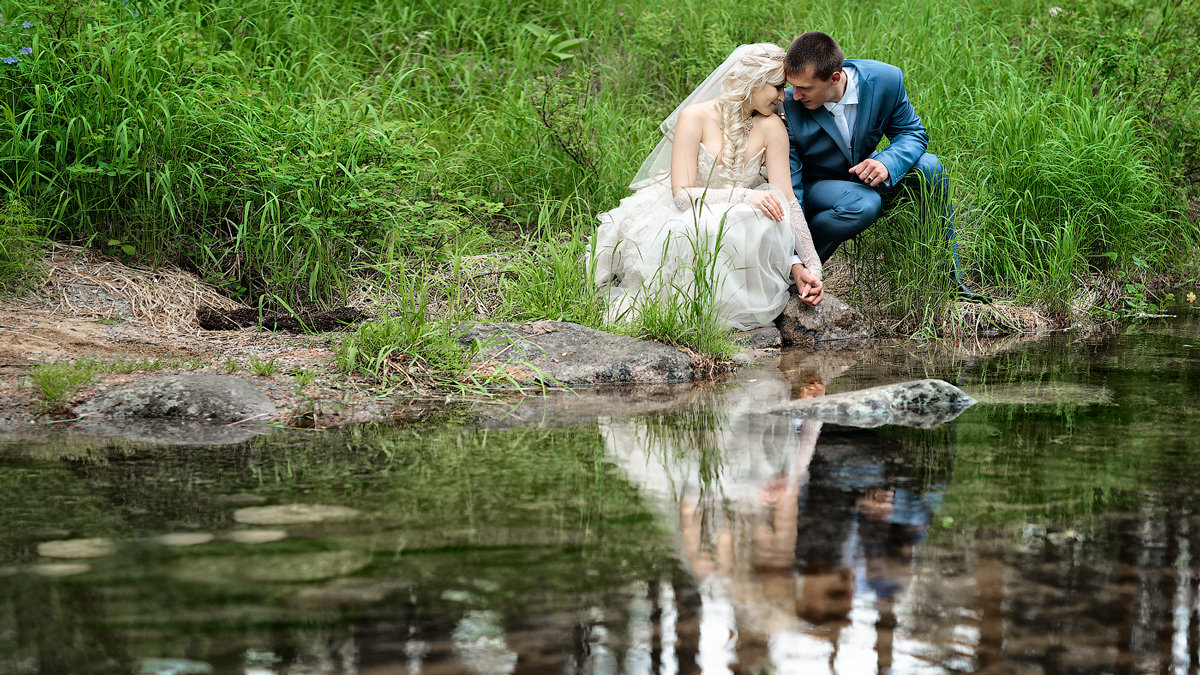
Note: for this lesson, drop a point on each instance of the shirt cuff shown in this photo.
(796, 260)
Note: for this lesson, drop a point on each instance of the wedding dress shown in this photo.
(658, 248)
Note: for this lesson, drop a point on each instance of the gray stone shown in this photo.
(168, 431)
(919, 403)
(558, 352)
(759, 338)
(831, 324)
(219, 399)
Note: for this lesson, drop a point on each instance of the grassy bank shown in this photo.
(286, 149)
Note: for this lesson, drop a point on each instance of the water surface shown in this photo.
(1050, 528)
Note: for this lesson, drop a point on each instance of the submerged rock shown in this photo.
(284, 568)
(220, 399)
(919, 403)
(558, 352)
(183, 539)
(96, 547)
(174, 667)
(292, 514)
(831, 324)
(256, 536)
(58, 569)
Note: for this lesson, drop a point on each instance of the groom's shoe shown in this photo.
(962, 292)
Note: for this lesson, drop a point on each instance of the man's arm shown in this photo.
(907, 138)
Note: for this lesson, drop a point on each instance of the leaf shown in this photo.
(537, 30)
(569, 44)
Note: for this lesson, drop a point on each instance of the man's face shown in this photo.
(812, 92)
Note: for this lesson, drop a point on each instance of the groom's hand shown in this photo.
(870, 171)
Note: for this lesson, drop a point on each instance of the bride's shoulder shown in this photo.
(769, 123)
(770, 126)
(699, 112)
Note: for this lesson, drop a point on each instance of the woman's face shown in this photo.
(766, 97)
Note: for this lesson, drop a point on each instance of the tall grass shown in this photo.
(280, 147)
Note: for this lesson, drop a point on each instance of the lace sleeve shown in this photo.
(804, 243)
(686, 197)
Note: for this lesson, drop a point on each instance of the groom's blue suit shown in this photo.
(837, 204)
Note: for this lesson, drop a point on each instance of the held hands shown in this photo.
(767, 203)
(870, 171)
(809, 285)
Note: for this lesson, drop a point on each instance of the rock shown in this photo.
(59, 569)
(830, 324)
(292, 514)
(174, 667)
(348, 592)
(283, 567)
(76, 548)
(759, 338)
(919, 403)
(558, 352)
(168, 431)
(220, 399)
(182, 539)
(256, 536)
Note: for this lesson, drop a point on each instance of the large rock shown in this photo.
(919, 403)
(567, 353)
(220, 399)
(831, 324)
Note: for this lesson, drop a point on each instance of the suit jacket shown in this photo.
(817, 150)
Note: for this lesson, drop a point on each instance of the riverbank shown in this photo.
(107, 324)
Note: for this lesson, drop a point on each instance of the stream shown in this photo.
(1049, 528)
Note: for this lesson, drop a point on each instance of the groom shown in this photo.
(836, 113)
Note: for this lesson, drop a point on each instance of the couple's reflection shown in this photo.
(799, 549)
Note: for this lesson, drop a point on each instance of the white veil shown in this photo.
(657, 166)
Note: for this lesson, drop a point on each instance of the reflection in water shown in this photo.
(707, 534)
(800, 549)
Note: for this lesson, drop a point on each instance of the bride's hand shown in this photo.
(766, 202)
(808, 285)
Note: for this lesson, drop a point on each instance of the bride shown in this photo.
(701, 219)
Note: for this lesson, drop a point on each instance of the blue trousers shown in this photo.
(839, 209)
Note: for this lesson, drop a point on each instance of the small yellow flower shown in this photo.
(1191, 297)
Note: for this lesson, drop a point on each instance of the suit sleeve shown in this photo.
(797, 165)
(907, 138)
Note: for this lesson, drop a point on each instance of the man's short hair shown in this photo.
(814, 49)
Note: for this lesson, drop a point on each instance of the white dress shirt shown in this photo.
(848, 103)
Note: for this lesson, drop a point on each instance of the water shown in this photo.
(1052, 528)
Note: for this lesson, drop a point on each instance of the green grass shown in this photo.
(283, 148)
(263, 367)
(19, 245)
(57, 382)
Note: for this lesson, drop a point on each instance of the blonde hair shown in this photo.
(761, 64)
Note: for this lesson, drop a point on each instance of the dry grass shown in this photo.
(85, 284)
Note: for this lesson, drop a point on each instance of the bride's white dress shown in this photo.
(647, 250)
